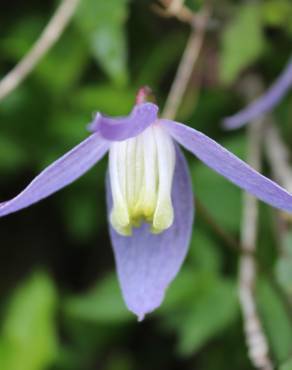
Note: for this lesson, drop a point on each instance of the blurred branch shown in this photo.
(187, 63)
(175, 5)
(278, 156)
(228, 239)
(234, 245)
(279, 159)
(255, 337)
(47, 39)
(174, 8)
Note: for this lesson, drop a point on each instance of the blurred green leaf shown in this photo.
(287, 365)
(204, 253)
(102, 23)
(284, 264)
(121, 361)
(242, 41)
(11, 154)
(186, 284)
(68, 58)
(21, 36)
(195, 5)
(83, 207)
(104, 98)
(221, 198)
(277, 324)
(162, 56)
(278, 13)
(28, 339)
(211, 307)
(81, 216)
(209, 316)
(103, 304)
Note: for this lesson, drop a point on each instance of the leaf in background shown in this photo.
(242, 41)
(11, 154)
(103, 24)
(211, 307)
(221, 198)
(121, 361)
(157, 63)
(28, 338)
(287, 365)
(104, 98)
(64, 64)
(206, 113)
(194, 5)
(276, 323)
(103, 304)
(204, 253)
(83, 207)
(284, 264)
(21, 37)
(68, 128)
(187, 284)
(209, 316)
(278, 13)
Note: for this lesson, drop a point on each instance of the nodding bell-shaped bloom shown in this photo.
(149, 194)
(265, 103)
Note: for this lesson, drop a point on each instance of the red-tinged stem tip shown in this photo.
(143, 94)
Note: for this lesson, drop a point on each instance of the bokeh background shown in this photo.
(61, 307)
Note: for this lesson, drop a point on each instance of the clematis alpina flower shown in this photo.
(265, 103)
(149, 194)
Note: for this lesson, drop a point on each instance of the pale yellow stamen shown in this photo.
(141, 173)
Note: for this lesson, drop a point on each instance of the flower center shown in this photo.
(141, 173)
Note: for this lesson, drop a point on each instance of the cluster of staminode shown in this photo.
(141, 172)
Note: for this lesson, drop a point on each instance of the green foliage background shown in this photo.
(61, 307)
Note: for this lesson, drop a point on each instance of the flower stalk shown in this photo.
(187, 63)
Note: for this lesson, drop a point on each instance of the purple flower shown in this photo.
(149, 194)
(265, 103)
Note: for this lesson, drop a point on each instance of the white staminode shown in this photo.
(141, 173)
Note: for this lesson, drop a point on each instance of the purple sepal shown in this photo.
(263, 104)
(229, 166)
(122, 128)
(61, 173)
(94, 125)
(147, 263)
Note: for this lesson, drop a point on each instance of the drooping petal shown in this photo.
(122, 128)
(59, 174)
(146, 262)
(263, 104)
(230, 166)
